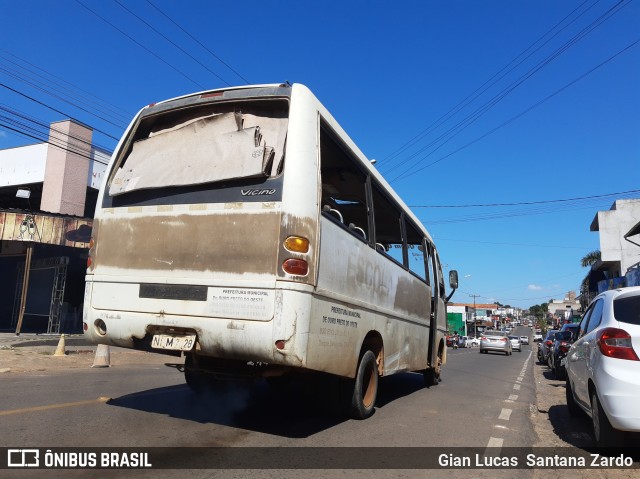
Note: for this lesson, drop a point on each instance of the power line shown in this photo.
(408, 173)
(471, 118)
(489, 83)
(198, 42)
(57, 111)
(174, 44)
(141, 45)
(45, 90)
(61, 147)
(579, 198)
(493, 243)
(71, 90)
(45, 128)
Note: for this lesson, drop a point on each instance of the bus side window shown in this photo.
(416, 251)
(388, 226)
(430, 270)
(344, 194)
(441, 291)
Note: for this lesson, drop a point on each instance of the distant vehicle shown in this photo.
(544, 347)
(495, 341)
(516, 344)
(563, 340)
(524, 339)
(537, 337)
(603, 365)
(473, 342)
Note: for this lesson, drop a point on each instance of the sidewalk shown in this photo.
(35, 352)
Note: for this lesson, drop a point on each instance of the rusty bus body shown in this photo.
(244, 229)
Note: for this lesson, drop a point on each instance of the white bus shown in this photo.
(243, 229)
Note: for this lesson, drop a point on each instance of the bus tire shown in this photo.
(365, 388)
(432, 375)
(196, 381)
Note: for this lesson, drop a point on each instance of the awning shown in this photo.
(42, 228)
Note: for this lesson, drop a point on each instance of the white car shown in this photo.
(524, 339)
(472, 343)
(603, 365)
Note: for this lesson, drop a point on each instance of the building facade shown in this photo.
(619, 235)
(48, 193)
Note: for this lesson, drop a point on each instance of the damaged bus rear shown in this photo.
(207, 243)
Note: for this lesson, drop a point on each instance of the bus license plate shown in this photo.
(178, 343)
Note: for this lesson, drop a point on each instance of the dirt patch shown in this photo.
(42, 358)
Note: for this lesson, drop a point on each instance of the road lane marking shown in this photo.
(513, 397)
(516, 387)
(495, 442)
(505, 414)
(25, 410)
(520, 378)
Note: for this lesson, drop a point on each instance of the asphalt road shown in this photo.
(483, 400)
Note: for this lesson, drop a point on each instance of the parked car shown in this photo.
(603, 365)
(516, 344)
(544, 346)
(495, 341)
(563, 340)
(524, 339)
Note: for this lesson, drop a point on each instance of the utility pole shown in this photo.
(475, 316)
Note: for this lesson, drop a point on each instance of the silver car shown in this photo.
(497, 341)
(516, 343)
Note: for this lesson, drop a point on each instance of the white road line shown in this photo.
(505, 414)
(495, 442)
(516, 387)
(513, 397)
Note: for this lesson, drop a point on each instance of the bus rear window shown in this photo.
(203, 145)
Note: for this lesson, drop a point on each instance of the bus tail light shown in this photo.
(298, 267)
(616, 343)
(297, 244)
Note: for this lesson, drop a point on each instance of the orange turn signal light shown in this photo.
(297, 244)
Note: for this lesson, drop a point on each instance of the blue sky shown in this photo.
(507, 101)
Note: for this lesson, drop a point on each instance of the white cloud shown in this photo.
(534, 287)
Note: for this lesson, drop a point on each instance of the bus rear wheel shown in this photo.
(197, 381)
(365, 388)
(432, 375)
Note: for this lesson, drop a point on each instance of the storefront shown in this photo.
(42, 268)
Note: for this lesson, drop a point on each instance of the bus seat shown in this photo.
(358, 230)
(336, 213)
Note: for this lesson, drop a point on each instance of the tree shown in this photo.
(587, 260)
